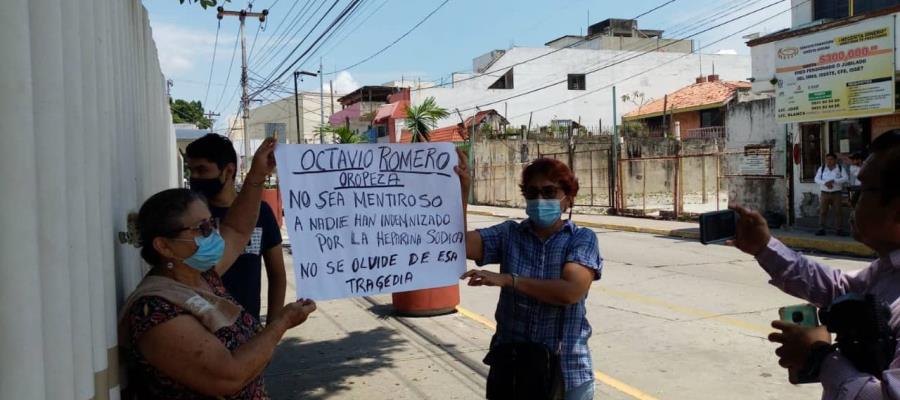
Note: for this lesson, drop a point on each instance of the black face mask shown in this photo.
(209, 187)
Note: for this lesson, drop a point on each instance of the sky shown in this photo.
(201, 55)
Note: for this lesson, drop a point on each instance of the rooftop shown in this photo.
(368, 93)
(699, 96)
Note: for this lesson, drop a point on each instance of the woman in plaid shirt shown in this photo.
(547, 266)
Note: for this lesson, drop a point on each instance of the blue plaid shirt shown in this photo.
(517, 249)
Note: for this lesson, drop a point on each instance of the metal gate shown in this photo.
(593, 169)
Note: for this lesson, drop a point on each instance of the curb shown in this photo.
(855, 249)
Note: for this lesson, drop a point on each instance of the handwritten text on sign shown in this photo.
(365, 219)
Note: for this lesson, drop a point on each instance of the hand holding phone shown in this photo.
(804, 315)
(718, 226)
(752, 234)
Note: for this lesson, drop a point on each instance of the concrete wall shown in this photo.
(763, 68)
(752, 122)
(87, 138)
(499, 165)
(671, 72)
(648, 178)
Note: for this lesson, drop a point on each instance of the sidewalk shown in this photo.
(358, 349)
(690, 230)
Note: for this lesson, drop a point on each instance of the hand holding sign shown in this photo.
(263, 161)
(462, 169)
(368, 219)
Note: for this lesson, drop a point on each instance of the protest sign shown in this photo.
(366, 219)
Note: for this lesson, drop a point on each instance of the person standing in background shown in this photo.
(831, 179)
(213, 164)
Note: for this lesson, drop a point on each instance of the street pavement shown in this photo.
(672, 319)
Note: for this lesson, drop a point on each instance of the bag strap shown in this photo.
(562, 310)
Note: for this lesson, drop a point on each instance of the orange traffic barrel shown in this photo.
(427, 302)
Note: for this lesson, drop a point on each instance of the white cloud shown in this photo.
(182, 50)
(729, 52)
(343, 83)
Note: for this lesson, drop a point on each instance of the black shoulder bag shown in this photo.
(527, 370)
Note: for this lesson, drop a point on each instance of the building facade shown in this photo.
(833, 78)
(572, 78)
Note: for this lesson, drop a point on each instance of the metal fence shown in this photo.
(592, 169)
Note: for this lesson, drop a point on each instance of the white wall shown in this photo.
(87, 137)
(763, 59)
(285, 111)
(674, 72)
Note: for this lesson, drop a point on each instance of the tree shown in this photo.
(205, 3)
(189, 112)
(421, 119)
(637, 98)
(342, 134)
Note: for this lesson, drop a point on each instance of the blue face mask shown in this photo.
(543, 212)
(209, 251)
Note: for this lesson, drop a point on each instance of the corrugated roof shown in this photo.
(694, 97)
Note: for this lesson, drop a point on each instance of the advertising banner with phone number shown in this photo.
(838, 73)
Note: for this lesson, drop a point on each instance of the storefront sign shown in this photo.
(839, 73)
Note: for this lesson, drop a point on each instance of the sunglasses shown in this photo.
(205, 227)
(855, 193)
(546, 192)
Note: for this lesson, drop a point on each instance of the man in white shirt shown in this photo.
(856, 160)
(831, 179)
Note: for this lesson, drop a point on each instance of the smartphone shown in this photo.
(717, 226)
(803, 315)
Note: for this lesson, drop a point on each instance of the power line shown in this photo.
(212, 64)
(504, 69)
(355, 28)
(297, 47)
(327, 39)
(662, 64)
(228, 74)
(341, 16)
(540, 88)
(686, 25)
(422, 21)
(269, 51)
(693, 23)
(654, 9)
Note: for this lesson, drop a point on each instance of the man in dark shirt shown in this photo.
(213, 164)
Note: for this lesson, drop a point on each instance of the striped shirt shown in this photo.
(518, 250)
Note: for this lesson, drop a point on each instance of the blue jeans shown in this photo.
(583, 392)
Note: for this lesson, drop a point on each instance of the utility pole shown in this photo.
(615, 156)
(331, 102)
(212, 121)
(298, 104)
(169, 84)
(321, 102)
(245, 98)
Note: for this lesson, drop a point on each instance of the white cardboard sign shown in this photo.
(365, 219)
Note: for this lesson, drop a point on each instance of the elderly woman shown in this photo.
(188, 338)
(547, 264)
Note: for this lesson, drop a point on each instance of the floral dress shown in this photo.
(150, 311)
